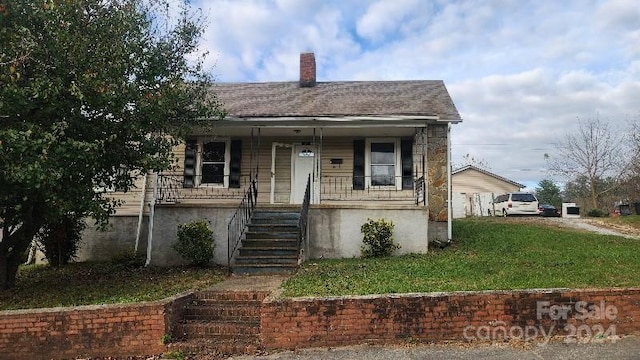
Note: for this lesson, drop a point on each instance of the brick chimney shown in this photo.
(307, 70)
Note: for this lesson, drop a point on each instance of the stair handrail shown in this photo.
(240, 219)
(302, 222)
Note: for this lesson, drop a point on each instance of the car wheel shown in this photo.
(504, 213)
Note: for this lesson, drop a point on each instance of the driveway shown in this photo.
(594, 225)
(625, 348)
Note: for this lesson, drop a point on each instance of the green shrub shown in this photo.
(195, 242)
(60, 240)
(597, 213)
(377, 238)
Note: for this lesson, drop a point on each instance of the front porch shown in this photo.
(335, 180)
(346, 164)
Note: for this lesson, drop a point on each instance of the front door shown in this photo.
(290, 169)
(281, 170)
(304, 159)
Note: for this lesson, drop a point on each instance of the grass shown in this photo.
(488, 253)
(102, 283)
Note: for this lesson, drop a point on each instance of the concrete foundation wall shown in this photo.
(118, 238)
(165, 228)
(335, 232)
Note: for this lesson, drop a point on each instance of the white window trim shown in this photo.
(227, 161)
(397, 165)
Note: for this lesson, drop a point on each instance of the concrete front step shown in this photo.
(271, 250)
(274, 243)
(275, 214)
(253, 235)
(266, 259)
(263, 269)
(270, 245)
(273, 227)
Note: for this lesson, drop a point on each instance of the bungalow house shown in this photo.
(474, 188)
(304, 160)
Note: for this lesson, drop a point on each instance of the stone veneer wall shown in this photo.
(438, 170)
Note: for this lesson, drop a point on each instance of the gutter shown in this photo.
(333, 121)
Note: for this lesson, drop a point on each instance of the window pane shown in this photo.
(382, 153)
(382, 175)
(213, 151)
(212, 173)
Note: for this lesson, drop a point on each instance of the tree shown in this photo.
(630, 183)
(92, 94)
(548, 192)
(578, 190)
(469, 159)
(592, 151)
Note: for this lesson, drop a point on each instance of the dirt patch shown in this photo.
(621, 228)
(588, 225)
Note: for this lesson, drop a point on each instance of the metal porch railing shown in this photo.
(240, 219)
(340, 188)
(303, 221)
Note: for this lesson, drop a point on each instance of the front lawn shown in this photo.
(488, 253)
(102, 283)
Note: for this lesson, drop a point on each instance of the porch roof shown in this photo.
(353, 100)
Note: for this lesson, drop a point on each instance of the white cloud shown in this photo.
(384, 18)
(619, 15)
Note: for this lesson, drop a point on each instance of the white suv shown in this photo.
(514, 204)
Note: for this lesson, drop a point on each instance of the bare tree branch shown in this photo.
(593, 150)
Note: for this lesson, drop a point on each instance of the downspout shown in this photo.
(141, 214)
(449, 195)
(151, 213)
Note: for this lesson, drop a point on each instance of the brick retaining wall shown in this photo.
(137, 329)
(459, 316)
(88, 331)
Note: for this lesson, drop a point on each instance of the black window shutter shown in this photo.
(406, 147)
(234, 166)
(358, 164)
(190, 164)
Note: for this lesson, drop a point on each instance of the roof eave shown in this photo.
(332, 121)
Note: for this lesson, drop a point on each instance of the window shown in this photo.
(212, 162)
(382, 163)
(383, 160)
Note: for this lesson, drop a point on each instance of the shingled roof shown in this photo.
(350, 98)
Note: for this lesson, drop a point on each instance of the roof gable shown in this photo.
(350, 98)
(485, 172)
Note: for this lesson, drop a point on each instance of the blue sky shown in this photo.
(520, 72)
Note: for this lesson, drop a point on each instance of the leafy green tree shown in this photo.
(548, 192)
(92, 94)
